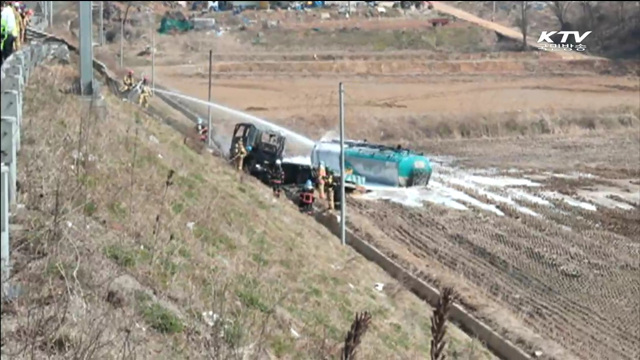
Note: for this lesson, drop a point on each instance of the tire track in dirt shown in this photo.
(551, 311)
(564, 283)
(493, 260)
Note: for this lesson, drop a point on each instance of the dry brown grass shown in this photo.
(529, 123)
(130, 237)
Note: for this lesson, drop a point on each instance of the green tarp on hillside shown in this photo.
(168, 25)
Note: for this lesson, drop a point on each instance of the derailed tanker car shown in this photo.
(375, 164)
(264, 148)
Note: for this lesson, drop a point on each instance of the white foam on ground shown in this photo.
(461, 196)
(602, 198)
(508, 201)
(574, 175)
(409, 197)
(493, 196)
(438, 192)
(570, 201)
(528, 197)
(500, 181)
(414, 196)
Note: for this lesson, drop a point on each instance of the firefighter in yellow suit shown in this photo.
(17, 31)
(145, 94)
(329, 189)
(320, 176)
(239, 153)
(127, 82)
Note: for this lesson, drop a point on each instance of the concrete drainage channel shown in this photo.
(500, 346)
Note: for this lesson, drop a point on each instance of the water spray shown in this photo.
(290, 134)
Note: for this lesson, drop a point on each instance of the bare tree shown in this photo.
(359, 327)
(126, 13)
(524, 23)
(593, 13)
(560, 8)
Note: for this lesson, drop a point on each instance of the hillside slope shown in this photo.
(127, 237)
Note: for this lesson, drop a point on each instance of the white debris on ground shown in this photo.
(456, 188)
(210, 317)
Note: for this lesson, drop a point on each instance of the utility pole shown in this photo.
(122, 44)
(493, 14)
(86, 47)
(343, 173)
(209, 107)
(153, 59)
(101, 23)
(44, 6)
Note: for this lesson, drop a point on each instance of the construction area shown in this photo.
(531, 211)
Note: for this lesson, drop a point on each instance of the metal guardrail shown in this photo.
(15, 73)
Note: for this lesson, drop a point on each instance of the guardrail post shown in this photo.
(19, 65)
(27, 64)
(11, 83)
(8, 153)
(15, 71)
(4, 222)
(31, 62)
(12, 107)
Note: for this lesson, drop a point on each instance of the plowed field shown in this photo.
(578, 286)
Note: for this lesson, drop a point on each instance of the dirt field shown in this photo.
(552, 266)
(558, 273)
